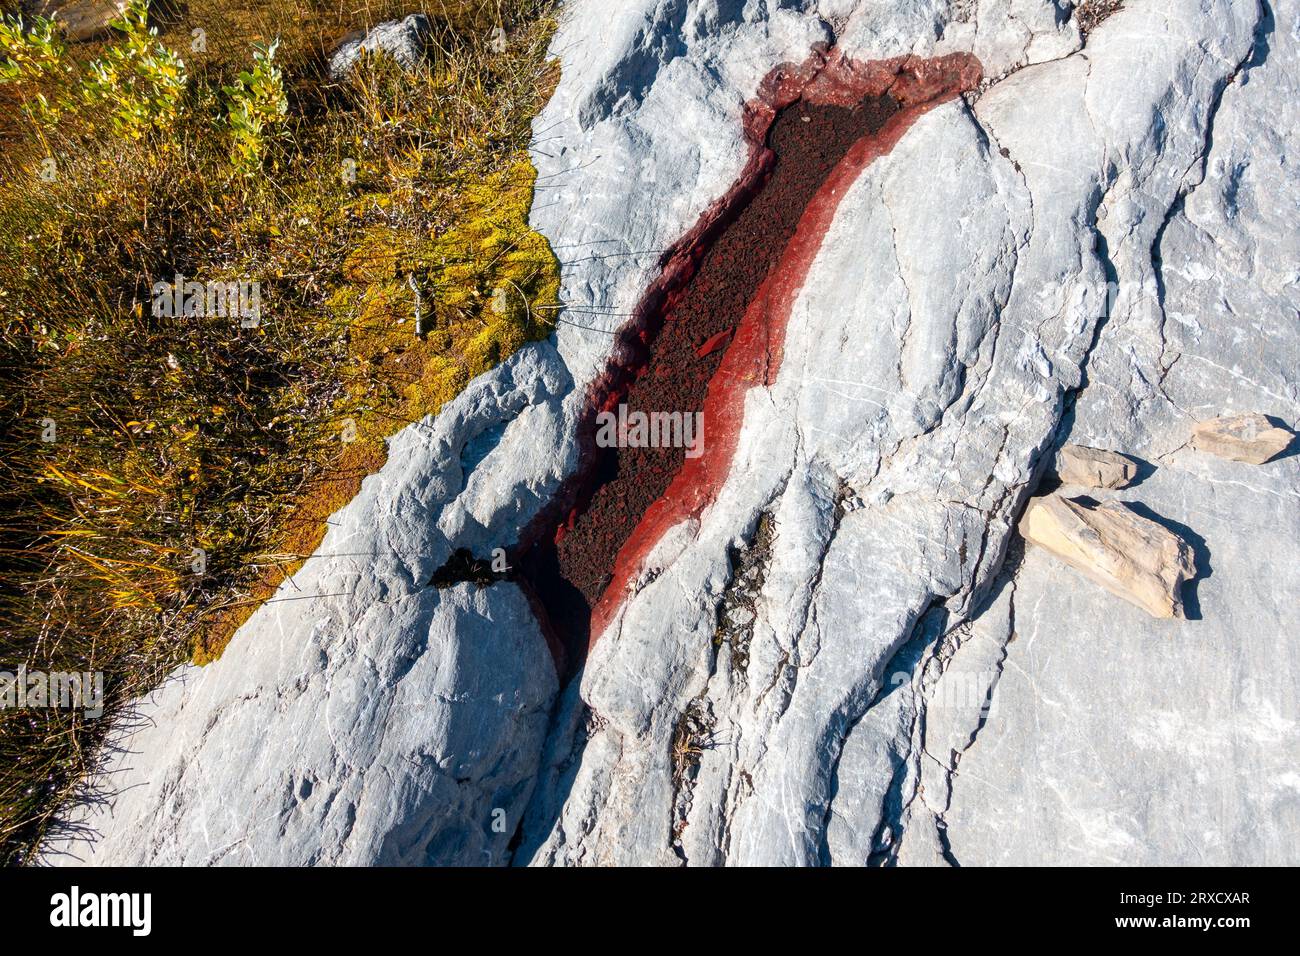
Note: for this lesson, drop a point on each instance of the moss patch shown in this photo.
(485, 287)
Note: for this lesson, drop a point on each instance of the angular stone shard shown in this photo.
(1094, 467)
(1130, 556)
(1250, 438)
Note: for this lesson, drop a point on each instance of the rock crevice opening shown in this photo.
(712, 326)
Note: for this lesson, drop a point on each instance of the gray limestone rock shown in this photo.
(926, 370)
(403, 40)
(1096, 246)
(1179, 743)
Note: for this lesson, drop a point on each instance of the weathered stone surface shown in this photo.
(1179, 743)
(929, 364)
(1249, 438)
(403, 40)
(378, 752)
(361, 716)
(1094, 467)
(1127, 554)
(81, 19)
(925, 370)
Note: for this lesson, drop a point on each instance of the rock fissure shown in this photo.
(712, 326)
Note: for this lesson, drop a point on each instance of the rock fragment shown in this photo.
(1130, 556)
(1094, 467)
(1250, 438)
(403, 40)
(81, 19)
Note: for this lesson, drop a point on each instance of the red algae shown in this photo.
(712, 326)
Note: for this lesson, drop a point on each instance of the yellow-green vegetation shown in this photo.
(163, 474)
(36, 59)
(138, 83)
(258, 106)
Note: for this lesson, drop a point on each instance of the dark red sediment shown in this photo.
(712, 326)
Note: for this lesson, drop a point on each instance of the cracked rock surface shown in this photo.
(1124, 740)
(848, 658)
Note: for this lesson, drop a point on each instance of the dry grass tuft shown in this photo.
(194, 460)
(1091, 13)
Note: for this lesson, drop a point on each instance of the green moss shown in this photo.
(486, 285)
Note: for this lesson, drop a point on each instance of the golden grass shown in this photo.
(191, 442)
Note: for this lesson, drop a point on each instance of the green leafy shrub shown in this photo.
(257, 109)
(37, 56)
(138, 83)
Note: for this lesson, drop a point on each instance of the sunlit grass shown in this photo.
(192, 460)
